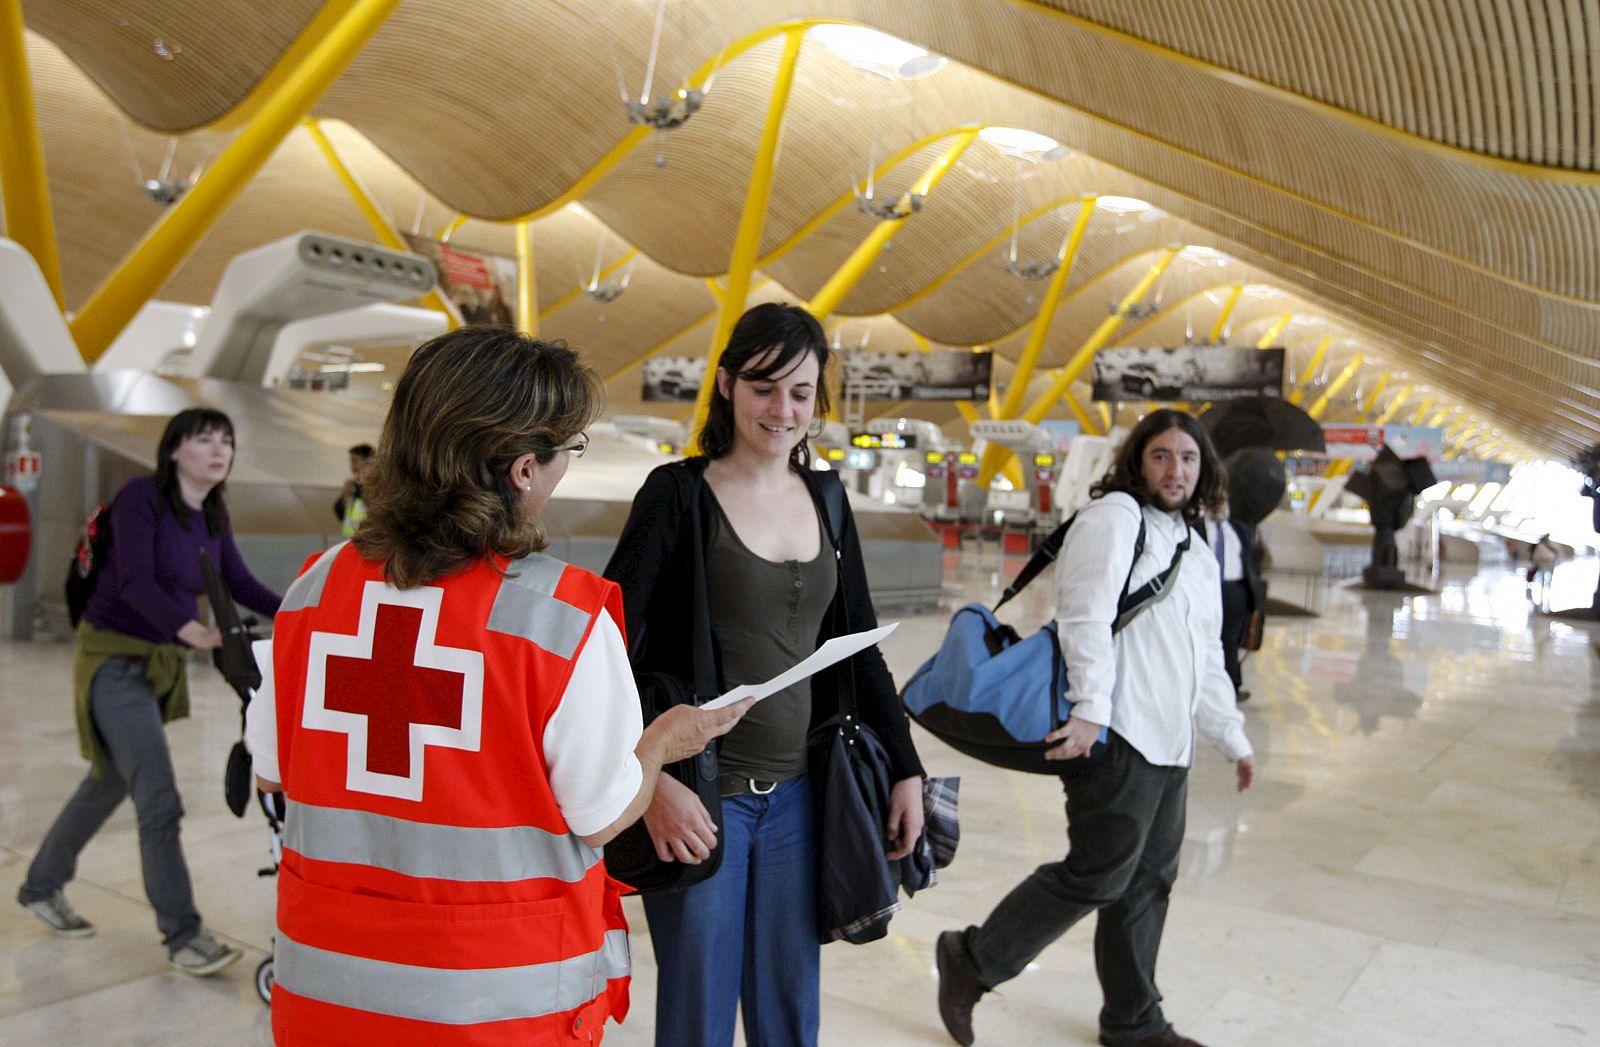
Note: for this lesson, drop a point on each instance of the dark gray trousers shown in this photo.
(1125, 819)
(129, 723)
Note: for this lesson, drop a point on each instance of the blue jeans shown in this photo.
(746, 937)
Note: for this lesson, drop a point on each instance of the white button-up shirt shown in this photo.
(1162, 675)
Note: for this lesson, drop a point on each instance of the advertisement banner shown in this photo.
(941, 374)
(481, 286)
(1360, 443)
(1472, 471)
(672, 378)
(1191, 373)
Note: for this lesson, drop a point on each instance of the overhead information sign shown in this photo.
(940, 374)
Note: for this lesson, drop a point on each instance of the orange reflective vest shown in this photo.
(430, 891)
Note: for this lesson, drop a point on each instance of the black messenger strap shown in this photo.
(1150, 593)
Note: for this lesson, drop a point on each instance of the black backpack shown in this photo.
(94, 546)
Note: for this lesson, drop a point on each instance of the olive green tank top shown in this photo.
(766, 615)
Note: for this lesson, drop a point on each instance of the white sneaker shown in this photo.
(56, 911)
(203, 955)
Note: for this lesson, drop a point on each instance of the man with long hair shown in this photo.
(1148, 686)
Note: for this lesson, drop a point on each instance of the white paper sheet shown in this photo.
(835, 650)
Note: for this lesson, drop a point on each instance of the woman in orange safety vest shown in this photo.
(455, 727)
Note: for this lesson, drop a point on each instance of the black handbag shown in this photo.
(631, 857)
(850, 785)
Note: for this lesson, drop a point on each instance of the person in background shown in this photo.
(1149, 686)
(452, 720)
(130, 678)
(778, 587)
(351, 507)
(1244, 593)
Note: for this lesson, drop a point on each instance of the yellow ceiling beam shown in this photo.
(1439, 417)
(1018, 390)
(1271, 334)
(376, 219)
(861, 260)
(180, 228)
(1372, 400)
(1422, 411)
(994, 457)
(527, 282)
(1217, 329)
(1393, 406)
(752, 219)
(24, 183)
(449, 229)
(1311, 371)
(1320, 405)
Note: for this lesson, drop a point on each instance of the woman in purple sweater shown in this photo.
(129, 679)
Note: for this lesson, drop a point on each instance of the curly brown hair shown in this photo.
(1127, 468)
(470, 403)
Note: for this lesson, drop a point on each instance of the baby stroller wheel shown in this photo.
(264, 980)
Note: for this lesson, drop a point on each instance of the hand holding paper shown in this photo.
(835, 650)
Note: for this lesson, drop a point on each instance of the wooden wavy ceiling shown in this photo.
(1349, 151)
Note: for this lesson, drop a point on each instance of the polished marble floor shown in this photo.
(1419, 863)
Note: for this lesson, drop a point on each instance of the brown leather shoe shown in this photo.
(1168, 1037)
(959, 990)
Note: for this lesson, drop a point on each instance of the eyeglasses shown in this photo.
(577, 446)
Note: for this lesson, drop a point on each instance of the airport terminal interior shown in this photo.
(1358, 240)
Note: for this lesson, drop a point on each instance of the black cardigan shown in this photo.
(654, 569)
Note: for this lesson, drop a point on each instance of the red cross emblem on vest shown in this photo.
(394, 691)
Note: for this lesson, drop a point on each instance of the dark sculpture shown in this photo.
(1390, 484)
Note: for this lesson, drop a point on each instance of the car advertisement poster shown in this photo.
(939, 374)
(669, 379)
(481, 286)
(1191, 373)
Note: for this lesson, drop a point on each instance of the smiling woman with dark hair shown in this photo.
(779, 583)
(129, 679)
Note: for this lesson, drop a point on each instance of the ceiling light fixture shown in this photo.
(875, 53)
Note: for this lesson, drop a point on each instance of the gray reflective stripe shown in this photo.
(307, 589)
(526, 606)
(447, 996)
(441, 852)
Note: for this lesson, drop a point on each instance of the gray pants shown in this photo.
(1125, 819)
(129, 723)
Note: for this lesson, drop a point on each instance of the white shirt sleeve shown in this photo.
(1217, 712)
(1090, 573)
(589, 742)
(261, 718)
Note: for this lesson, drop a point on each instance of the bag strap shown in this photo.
(704, 682)
(833, 507)
(1050, 548)
(1147, 595)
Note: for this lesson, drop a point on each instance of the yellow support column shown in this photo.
(1321, 403)
(1272, 333)
(849, 274)
(448, 230)
(1064, 378)
(1416, 419)
(1310, 371)
(1227, 311)
(376, 219)
(23, 181)
(747, 241)
(1018, 390)
(1439, 417)
(1394, 405)
(1372, 400)
(527, 283)
(164, 248)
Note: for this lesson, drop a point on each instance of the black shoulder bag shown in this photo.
(631, 857)
(850, 783)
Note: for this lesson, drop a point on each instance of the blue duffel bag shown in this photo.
(993, 695)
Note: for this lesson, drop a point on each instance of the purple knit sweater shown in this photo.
(151, 582)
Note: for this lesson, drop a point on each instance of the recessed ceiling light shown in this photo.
(1121, 204)
(1014, 141)
(877, 53)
